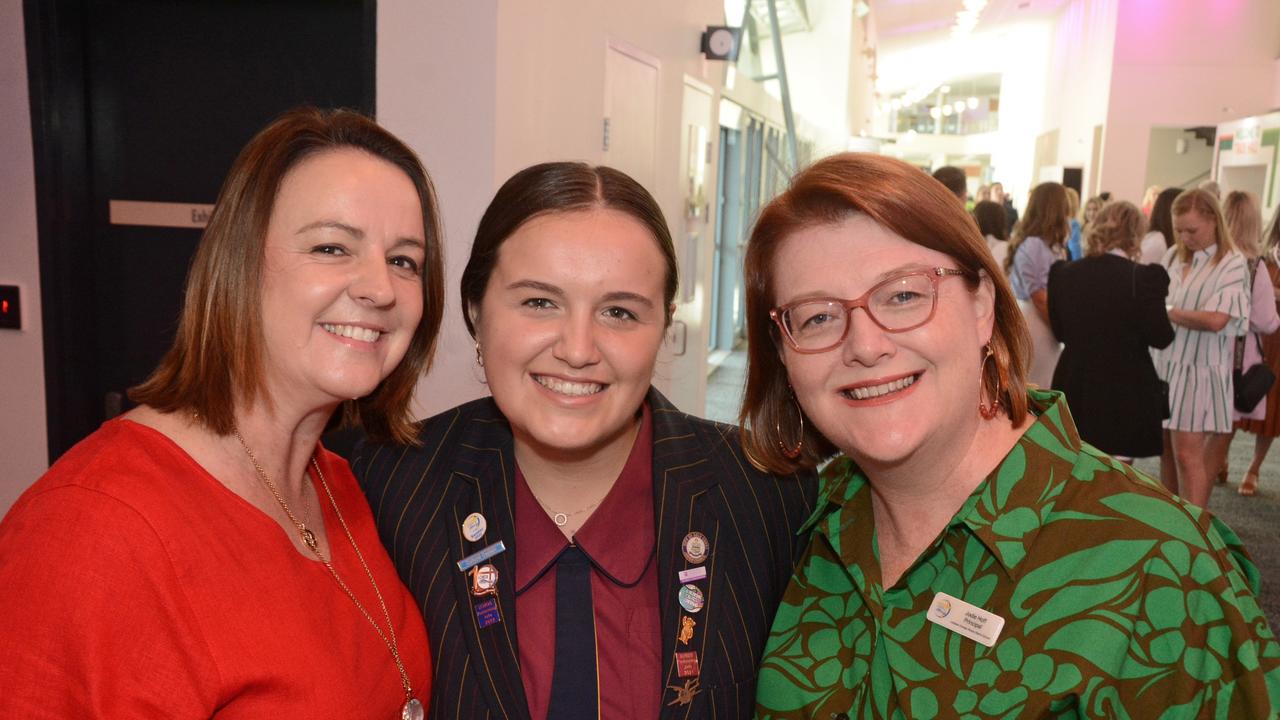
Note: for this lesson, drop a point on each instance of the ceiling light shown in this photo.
(972, 102)
(935, 113)
(946, 110)
(958, 105)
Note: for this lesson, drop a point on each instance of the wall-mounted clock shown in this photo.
(721, 42)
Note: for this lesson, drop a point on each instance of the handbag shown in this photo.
(1250, 385)
(1253, 384)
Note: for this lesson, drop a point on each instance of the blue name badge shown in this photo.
(480, 556)
(487, 613)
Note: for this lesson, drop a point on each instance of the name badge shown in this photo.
(970, 621)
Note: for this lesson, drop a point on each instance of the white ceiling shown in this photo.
(911, 38)
(912, 21)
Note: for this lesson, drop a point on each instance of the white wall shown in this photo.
(1025, 47)
(1184, 63)
(23, 439)
(1080, 80)
(437, 74)
(550, 106)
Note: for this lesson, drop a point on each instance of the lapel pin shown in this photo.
(474, 526)
(685, 693)
(686, 629)
(695, 547)
(687, 664)
(487, 613)
(480, 556)
(484, 580)
(691, 598)
(694, 573)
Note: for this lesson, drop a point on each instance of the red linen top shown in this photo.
(136, 585)
(619, 538)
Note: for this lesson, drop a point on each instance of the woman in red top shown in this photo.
(203, 556)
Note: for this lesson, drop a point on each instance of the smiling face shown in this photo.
(570, 326)
(342, 284)
(1194, 230)
(881, 397)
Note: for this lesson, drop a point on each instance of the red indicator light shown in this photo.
(4, 307)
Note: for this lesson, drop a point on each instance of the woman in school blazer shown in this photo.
(568, 293)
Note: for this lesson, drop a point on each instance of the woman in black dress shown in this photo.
(1108, 311)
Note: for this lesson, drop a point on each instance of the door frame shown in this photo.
(56, 36)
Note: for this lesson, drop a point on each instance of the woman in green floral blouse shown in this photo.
(970, 556)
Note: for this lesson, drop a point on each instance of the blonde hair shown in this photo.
(1205, 203)
(1244, 221)
(1117, 226)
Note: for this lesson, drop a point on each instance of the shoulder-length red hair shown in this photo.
(905, 201)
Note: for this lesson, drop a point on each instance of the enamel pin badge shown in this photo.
(685, 693)
(484, 580)
(686, 629)
(695, 547)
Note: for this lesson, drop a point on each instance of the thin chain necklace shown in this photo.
(412, 708)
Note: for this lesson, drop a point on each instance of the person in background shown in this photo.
(1074, 249)
(1208, 305)
(954, 180)
(1159, 237)
(1266, 430)
(579, 546)
(1038, 242)
(991, 218)
(1149, 199)
(983, 193)
(203, 556)
(971, 556)
(1109, 311)
(1244, 223)
(1011, 213)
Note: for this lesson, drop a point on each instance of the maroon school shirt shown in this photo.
(619, 539)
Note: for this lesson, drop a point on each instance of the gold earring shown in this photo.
(794, 452)
(479, 357)
(989, 412)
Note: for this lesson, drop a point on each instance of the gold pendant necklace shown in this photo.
(412, 708)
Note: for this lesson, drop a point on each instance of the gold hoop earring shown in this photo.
(794, 452)
(989, 412)
(479, 357)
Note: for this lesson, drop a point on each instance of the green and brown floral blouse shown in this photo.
(1119, 601)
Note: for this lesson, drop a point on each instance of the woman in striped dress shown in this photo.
(1208, 306)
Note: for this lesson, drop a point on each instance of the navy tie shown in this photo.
(574, 686)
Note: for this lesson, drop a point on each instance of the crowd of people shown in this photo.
(1148, 318)
(898, 526)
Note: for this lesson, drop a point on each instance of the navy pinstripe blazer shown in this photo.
(701, 481)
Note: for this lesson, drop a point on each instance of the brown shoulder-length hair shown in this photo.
(215, 362)
(1117, 226)
(905, 201)
(1206, 204)
(1048, 217)
(560, 187)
